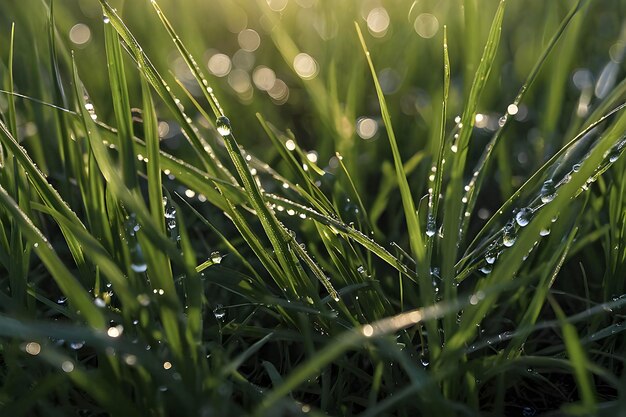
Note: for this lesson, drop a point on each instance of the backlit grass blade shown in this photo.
(453, 212)
(533, 181)
(200, 182)
(49, 195)
(539, 297)
(475, 183)
(193, 66)
(204, 151)
(193, 293)
(276, 233)
(510, 261)
(414, 229)
(121, 106)
(99, 256)
(351, 339)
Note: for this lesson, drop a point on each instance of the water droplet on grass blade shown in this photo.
(216, 257)
(77, 345)
(223, 125)
(523, 216)
(431, 226)
(220, 312)
(544, 232)
(548, 191)
(491, 255)
(509, 236)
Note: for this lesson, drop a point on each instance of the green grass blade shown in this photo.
(413, 226)
(453, 207)
(510, 261)
(72, 289)
(204, 151)
(207, 91)
(578, 359)
(121, 106)
(475, 183)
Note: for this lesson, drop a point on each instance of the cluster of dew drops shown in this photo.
(548, 192)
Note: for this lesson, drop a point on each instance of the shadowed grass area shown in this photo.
(300, 207)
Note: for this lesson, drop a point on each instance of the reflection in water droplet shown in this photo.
(431, 226)
(548, 191)
(509, 236)
(491, 255)
(77, 345)
(220, 312)
(216, 257)
(223, 125)
(486, 269)
(523, 216)
(143, 267)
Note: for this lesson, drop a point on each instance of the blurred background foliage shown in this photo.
(298, 63)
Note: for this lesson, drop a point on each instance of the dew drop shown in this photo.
(544, 232)
(523, 216)
(99, 302)
(223, 125)
(142, 267)
(491, 255)
(548, 191)
(431, 226)
(67, 366)
(486, 269)
(576, 167)
(106, 19)
(143, 299)
(220, 312)
(509, 236)
(77, 345)
(362, 271)
(216, 257)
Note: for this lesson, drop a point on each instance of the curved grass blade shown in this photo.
(352, 339)
(277, 234)
(48, 194)
(190, 61)
(201, 147)
(530, 183)
(413, 225)
(511, 260)
(475, 183)
(453, 212)
(121, 106)
(72, 289)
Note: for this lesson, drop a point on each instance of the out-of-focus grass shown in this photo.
(240, 207)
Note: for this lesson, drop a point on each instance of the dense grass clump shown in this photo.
(300, 207)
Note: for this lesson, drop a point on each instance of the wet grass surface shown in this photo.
(307, 208)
